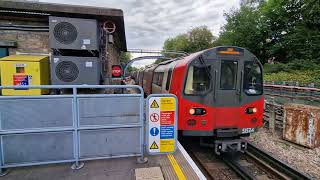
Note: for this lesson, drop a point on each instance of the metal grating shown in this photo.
(67, 71)
(65, 33)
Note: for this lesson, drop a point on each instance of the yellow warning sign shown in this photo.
(167, 104)
(154, 104)
(154, 145)
(167, 145)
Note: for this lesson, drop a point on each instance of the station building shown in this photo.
(24, 30)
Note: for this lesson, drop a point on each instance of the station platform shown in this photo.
(159, 167)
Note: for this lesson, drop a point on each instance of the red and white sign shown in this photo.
(167, 118)
(154, 117)
(116, 71)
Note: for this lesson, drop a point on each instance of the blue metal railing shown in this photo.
(76, 127)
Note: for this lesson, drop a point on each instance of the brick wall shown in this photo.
(27, 41)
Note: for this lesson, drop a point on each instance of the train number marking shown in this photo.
(247, 130)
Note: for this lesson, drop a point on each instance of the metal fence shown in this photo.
(293, 83)
(292, 92)
(74, 127)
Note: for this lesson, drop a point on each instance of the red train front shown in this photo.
(220, 93)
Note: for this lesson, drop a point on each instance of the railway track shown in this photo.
(253, 164)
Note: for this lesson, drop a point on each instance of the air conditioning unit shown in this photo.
(73, 33)
(71, 70)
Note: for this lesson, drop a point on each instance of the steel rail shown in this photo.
(237, 168)
(275, 164)
(263, 160)
(200, 164)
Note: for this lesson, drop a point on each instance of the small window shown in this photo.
(252, 84)
(155, 78)
(20, 70)
(160, 79)
(168, 79)
(228, 77)
(198, 80)
(3, 52)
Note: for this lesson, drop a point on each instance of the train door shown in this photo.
(228, 84)
(227, 96)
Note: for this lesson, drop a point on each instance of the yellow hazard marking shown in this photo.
(154, 145)
(168, 104)
(176, 167)
(154, 104)
(167, 145)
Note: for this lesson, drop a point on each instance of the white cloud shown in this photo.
(150, 22)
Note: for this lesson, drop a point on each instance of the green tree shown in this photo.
(178, 43)
(196, 39)
(125, 57)
(245, 29)
(286, 31)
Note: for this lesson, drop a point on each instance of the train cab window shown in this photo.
(252, 84)
(155, 78)
(198, 80)
(228, 77)
(168, 79)
(159, 83)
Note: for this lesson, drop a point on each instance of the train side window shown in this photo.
(228, 76)
(253, 84)
(198, 80)
(168, 79)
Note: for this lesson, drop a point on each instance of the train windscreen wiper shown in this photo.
(205, 66)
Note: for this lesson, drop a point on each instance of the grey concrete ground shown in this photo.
(113, 169)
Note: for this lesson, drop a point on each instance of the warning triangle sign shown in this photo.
(154, 104)
(154, 145)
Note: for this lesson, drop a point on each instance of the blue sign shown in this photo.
(166, 132)
(154, 131)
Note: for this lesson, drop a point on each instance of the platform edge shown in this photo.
(191, 162)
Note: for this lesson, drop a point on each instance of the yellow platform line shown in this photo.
(176, 167)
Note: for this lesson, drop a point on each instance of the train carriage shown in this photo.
(220, 94)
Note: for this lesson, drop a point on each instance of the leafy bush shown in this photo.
(310, 76)
(292, 66)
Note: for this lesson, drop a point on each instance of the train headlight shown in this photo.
(192, 111)
(197, 111)
(251, 110)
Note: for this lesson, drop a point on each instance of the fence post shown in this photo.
(142, 159)
(77, 165)
(3, 171)
(272, 118)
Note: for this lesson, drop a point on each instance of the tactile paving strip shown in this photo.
(153, 173)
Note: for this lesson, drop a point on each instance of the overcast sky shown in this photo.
(149, 23)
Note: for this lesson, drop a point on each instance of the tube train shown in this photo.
(219, 90)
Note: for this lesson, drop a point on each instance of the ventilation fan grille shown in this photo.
(65, 33)
(67, 71)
